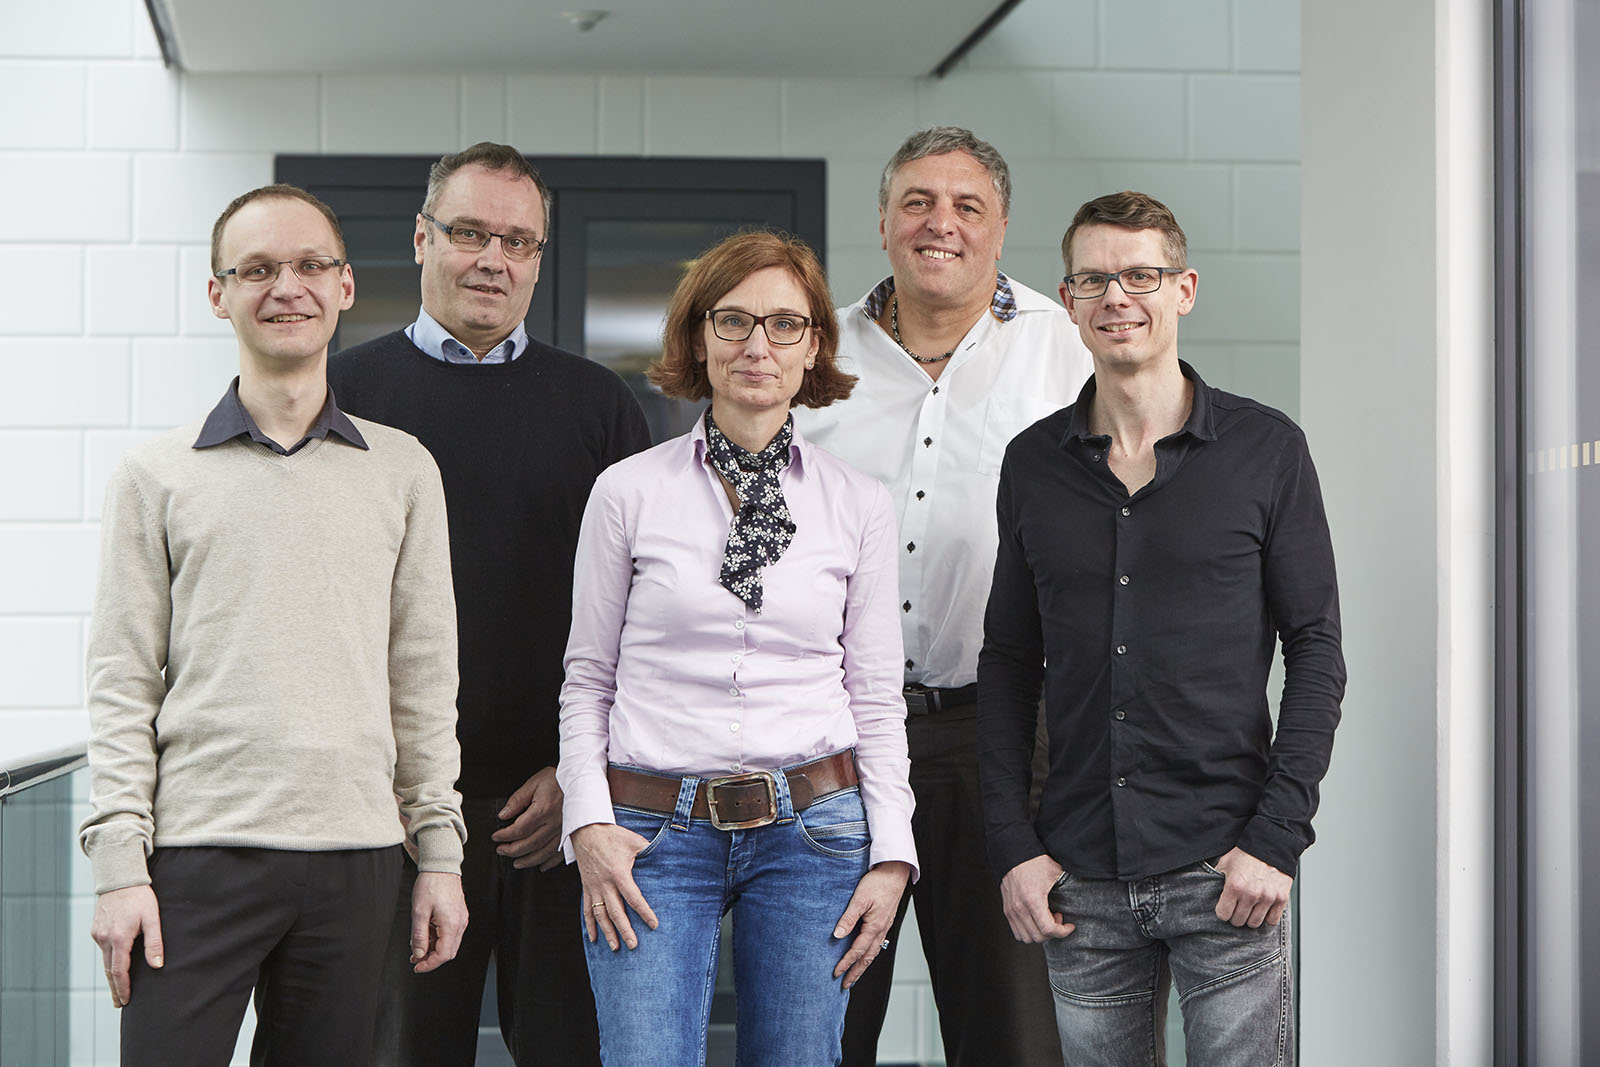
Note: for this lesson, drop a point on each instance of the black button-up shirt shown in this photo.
(1152, 620)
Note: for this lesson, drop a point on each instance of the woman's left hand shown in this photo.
(873, 906)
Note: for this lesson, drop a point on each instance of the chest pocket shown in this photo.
(1001, 422)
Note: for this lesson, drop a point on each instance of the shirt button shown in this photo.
(936, 390)
(909, 665)
(1122, 650)
(926, 441)
(1123, 580)
(1095, 457)
(737, 657)
(738, 624)
(733, 690)
(911, 546)
(1127, 511)
(733, 727)
(1119, 714)
(920, 494)
(1121, 782)
(906, 606)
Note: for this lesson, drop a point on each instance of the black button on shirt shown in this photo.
(1231, 546)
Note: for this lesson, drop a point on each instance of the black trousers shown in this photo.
(531, 923)
(993, 992)
(305, 929)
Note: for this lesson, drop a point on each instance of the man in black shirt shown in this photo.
(520, 431)
(1156, 538)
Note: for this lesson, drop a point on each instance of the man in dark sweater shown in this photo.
(520, 431)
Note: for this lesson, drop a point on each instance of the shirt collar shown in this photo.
(435, 340)
(1003, 305)
(229, 419)
(798, 445)
(1200, 424)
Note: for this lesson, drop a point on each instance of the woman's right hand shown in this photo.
(605, 863)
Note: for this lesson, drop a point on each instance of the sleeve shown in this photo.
(1010, 676)
(1303, 599)
(602, 579)
(127, 653)
(423, 680)
(872, 677)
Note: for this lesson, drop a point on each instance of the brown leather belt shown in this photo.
(736, 801)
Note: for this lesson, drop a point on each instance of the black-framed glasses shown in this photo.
(476, 239)
(1134, 281)
(265, 271)
(781, 327)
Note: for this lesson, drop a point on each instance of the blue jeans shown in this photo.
(1111, 975)
(787, 884)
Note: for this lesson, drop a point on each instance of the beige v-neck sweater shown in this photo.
(272, 660)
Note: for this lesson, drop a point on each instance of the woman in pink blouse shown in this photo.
(732, 729)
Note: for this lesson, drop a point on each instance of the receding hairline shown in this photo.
(280, 198)
(989, 182)
(504, 173)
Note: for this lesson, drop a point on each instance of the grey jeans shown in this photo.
(1110, 977)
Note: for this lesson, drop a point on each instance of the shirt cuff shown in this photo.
(1271, 843)
(1013, 845)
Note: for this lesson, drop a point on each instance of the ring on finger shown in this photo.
(883, 946)
(598, 907)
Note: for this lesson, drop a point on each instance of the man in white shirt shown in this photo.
(954, 360)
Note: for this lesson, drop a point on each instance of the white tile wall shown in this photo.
(390, 113)
(178, 195)
(706, 116)
(41, 478)
(68, 197)
(42, 663)
(41, 290)
(105, 334)
(63, 383)
(559, 113)
(133, 289)
(62, 124)
(178, 382)
(133, 105)
(483, 108)
(1168, 35)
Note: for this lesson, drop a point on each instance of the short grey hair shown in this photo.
(936, 142)
(490, 156)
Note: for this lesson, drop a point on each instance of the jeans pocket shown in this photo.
(650, 825)
(1206, 866)
(836, 826)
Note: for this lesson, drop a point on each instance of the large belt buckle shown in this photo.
(767, 819)
(920, 700)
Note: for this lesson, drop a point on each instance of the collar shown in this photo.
(1003, 305)
(799, 447)
(229, 419)
(435, 340)
(1201, 423)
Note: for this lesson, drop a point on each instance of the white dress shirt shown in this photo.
(436, 341)
(937, 447)
(669, 671)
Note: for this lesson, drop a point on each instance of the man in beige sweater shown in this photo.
(272, 663)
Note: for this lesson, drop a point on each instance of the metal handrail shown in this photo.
(41, 768)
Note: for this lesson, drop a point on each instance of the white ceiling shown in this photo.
(892, 38)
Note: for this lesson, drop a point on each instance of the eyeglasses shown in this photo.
(475, 239)
(782, 327)
(1134, 281)
(265, 272)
